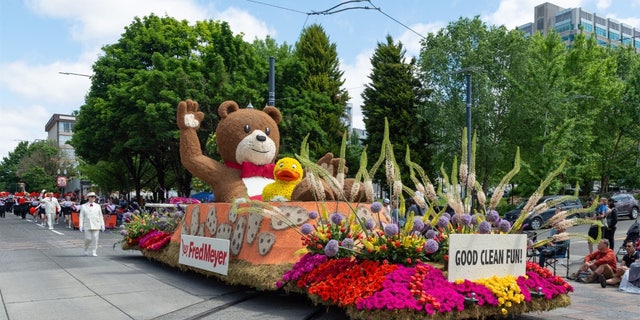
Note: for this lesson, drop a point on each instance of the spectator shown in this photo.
(595, 230)
(632, 256)
(596, 262)
(611, 222)
(556, 247)
(387, 208)
(413, 207)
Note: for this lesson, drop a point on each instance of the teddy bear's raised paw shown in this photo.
(188, 115)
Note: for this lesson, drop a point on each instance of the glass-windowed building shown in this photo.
(568, 22)
(59, 128)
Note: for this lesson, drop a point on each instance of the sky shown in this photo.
(39, 39)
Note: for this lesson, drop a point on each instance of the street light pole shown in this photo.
(468, 84)
(75, 74)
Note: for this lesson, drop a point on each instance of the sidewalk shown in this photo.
(590, 300)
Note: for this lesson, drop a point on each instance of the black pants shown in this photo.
(609, 234)
(24, 209)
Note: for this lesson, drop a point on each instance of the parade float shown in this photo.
(341, 247)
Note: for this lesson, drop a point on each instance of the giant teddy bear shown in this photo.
(248, 141)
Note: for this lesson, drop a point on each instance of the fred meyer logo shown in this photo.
(210, 254)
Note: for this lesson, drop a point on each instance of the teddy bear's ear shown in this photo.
(226, 108)
(274, 113)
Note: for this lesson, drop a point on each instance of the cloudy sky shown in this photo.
(41, 38)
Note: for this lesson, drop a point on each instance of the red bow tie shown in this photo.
(251, 170)
(91, 205)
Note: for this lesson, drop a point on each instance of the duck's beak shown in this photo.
(286, 174)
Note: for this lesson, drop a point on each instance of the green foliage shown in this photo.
(325, 98)
(393, 94)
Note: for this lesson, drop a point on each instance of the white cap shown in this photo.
(91, 194)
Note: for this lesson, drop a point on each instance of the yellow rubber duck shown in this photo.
(287, 173)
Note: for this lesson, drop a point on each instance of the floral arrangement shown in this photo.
(149, 230)
(397, 261)
(154, 240)
(368, 285)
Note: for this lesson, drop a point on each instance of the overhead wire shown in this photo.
(334, 10)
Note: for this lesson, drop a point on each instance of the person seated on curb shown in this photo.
(632, 256)
(556, 247)
(596, 262)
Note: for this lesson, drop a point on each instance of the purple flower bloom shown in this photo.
(446, 214)
(418, 225)
(347, 243)
(493, 216)
(466, 219)
(336, 218)
(431, 246)
(370, 224)
(504, 226)
(376, 207)
(431, 234)
(456, 219)
(391, 229)
(331, 249)
(474, 220)
(484, 227)
(443, 222)
(306, 229)
(313, 215)
(123, 232)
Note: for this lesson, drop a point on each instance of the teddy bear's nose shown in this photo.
(261, 137)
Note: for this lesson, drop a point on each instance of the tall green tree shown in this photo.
(393, 94)
(322, 90)
(490, 55)
(591, 70)
(130, 109)
(618, 123)
(9, 178)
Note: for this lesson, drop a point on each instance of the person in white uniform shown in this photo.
(51, 207)
(91, 223)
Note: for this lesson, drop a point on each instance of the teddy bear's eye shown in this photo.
(267, 131)
(246, 128)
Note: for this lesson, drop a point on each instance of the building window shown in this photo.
(614, 36)
(65, 127)
(601, 31)
(564, 27)
(588, 27)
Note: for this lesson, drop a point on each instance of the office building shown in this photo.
(568, 22)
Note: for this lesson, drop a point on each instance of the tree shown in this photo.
(393, 94)
(138, 83)
(490, 55)
(9, 178)
(321, 90)
(618, 123)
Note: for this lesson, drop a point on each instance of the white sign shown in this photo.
(475, 256)
(210, 254)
